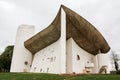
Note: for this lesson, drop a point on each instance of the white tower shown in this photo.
(22, 58)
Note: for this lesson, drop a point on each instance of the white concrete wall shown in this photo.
(79, 65)
(20, 53)
(95, 61)
(56, 51)
(63, 42)
(48, 59)
(69, 59)
(103, 59)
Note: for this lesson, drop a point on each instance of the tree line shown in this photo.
(5, 59)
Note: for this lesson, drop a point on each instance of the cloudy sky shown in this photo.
(103, 14)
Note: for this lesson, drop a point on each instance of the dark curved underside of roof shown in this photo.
(82, 32)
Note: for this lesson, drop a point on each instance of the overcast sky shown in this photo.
(103, 14)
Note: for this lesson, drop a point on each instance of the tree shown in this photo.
(115, 60)
(5, 59)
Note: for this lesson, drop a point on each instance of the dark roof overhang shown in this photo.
(82, 32)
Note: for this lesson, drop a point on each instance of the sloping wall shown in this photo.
(104, 60)
(69, 56)
(21, 59)
(47, 60)
(52, 59)
(80, 58)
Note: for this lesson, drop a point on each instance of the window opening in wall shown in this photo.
(74, 73)
(47, 69)
(78, 57)
(40, 70)
(54, 59)
(51, 60)
(26, 62)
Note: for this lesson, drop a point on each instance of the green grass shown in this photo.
(29, 76)
(96, 77)
(42, 76)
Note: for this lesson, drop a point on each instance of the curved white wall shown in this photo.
(20, 53)
(103, 59)
(48, 59)
(75, 65)
(69, 57)
(79, 65)
(52, 59)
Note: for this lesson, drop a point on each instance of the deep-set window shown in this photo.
(78, 57)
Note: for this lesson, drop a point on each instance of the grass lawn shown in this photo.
(42, 76)
(95, 77)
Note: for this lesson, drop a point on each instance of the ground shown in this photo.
(39, 76)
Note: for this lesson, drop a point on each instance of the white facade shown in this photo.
(48, 59)
(77, 58)
(104, 60)
(52, 59)
(21, 55)
(63, 56)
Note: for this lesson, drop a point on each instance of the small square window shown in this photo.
(78, 57)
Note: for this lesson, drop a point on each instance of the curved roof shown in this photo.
(83, 33)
